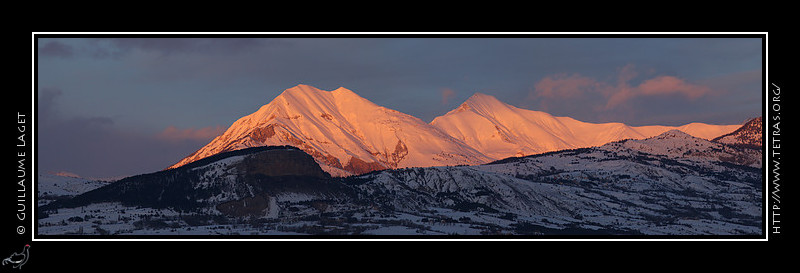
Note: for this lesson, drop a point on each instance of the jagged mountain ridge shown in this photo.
(347, 134)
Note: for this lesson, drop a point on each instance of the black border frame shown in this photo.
(36, 237)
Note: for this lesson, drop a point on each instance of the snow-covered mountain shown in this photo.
(749, 135)
(499, 130)
(54, 186)
(345, 133)
(221, 183)
(695, 151)
(670, 184)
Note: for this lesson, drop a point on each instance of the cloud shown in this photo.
(447, 94)
(46, 101)
(670, 85)
(166, 46)
(66, 174)
(575, 86)
(172, 133)
(96, 146)
(658, 86)
(55, 49)
(564, 86)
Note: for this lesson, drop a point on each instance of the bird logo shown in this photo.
(18, 259)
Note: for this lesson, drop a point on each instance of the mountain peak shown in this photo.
(302, 92)
(341, 89)
(303, 88)
(342, 93)
(749, 135)
(314, 99)
(308, 89)
(479, 102)
(348, 134)
(674, 133)
(343, 131)
(481, 98)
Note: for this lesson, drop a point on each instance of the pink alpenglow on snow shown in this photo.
(499, 130)
(347, 134)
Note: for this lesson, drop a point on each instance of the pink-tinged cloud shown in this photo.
(563, 86)
(67, 174)
(626, 74)
(671, 85)
(172, 133)
(661, 85)
(447, 93)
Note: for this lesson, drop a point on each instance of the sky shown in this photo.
(112, 107)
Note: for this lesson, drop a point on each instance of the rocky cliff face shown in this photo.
(293, 162)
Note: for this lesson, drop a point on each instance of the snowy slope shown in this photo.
(670, 184)
(347, 134)
(749, 135)
(500, 130)
(463, 188)
(51, 187)
(61, 185)
(223, 179)
(344, 132)
(684, 147)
